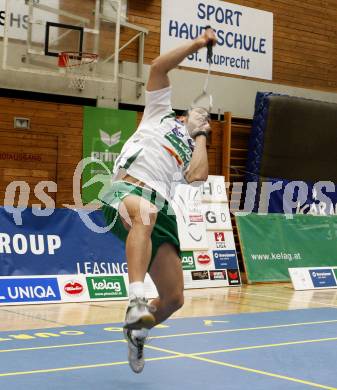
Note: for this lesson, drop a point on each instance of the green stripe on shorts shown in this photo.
(165, 229)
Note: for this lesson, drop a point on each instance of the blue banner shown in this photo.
(29, 290)
(60, 243)
(299, 197)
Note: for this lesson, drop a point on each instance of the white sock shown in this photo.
(140, 333)
(136, 290)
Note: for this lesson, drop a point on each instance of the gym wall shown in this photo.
(305, 57)
(49, 150)
(305, 39)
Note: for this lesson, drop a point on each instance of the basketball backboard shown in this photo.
(34, 32)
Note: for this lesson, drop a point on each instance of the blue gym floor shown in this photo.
(283, 350)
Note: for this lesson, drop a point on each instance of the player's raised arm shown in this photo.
(160, 67)
(198, 127)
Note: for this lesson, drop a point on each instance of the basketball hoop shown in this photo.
(77, 66)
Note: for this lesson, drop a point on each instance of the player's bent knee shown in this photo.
(176, 301)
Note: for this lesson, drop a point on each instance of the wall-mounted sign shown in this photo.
(244, 35)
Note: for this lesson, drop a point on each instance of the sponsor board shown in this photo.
(217, 216)
(221, 240)
(200, 275)
(73, 288)
(16, 290)
(312, 278)
(335, 272)
(225, 259)
(29, 290)
(233, 277)
(323, 277)
(205, 233)
(196, 218)
(214, 190)
(105, 131)
(187, 260)
(219, 274)
(203, 258)
(103, 287)
(190, 220)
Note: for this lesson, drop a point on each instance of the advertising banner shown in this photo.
(313, 278)
(57, 244)
(244, 35)
(105, 131)
(19, 290)
(59, 257)
(209, 256)
(273, 243)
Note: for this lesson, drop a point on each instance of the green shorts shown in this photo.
(165, 229)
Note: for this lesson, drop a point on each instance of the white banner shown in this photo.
(313, 278)
(244, 35)
(214, 190)
(217, 216)
(206, 236)
(19, 18)
(19, 290)
(190, 219)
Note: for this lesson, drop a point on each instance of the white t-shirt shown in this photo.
(160, 150)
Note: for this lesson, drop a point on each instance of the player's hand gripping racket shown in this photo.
(205, 99)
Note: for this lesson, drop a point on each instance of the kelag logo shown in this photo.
(225, 259)
(187, 260)
(322, 277)
(29, 290)
(106, 287)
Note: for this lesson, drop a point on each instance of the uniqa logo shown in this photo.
(31, 292)
(104, 285)
(73, 288)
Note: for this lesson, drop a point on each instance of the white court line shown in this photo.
(286, 299)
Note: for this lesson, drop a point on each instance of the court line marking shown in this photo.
(243, 329)
(242, 368)
(287, 343)
(265, 373)
(174, 355)
(71, 368)
(169, 336)
(311, 302)
(62, 346)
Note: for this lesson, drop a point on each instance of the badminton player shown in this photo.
(162, 152)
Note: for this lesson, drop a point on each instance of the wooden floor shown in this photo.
(201, 302)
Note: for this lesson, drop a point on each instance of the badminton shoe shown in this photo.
(139, 315)
(136, 340)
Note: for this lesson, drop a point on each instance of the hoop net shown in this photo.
(78, 66)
